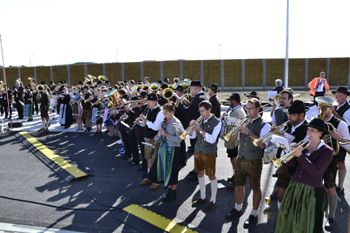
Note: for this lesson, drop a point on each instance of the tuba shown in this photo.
(154, 87)
(91, 78)
(168, 93)
(32, 83)
(324, 103)
(102, 78)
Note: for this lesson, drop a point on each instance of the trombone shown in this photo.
(190, 128)
(267, 137)
(285, 158)
(235, 129)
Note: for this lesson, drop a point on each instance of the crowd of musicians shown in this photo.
(153, 120)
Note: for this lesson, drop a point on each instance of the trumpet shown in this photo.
(130, 101)
(285, 158)
(267, 137)
(235, 129)
(190, 128)
(181, 98)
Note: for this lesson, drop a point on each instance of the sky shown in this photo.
(53, 32)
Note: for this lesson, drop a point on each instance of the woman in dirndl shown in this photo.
(305, 200)
(168, 162)
(66, 118)
(77, 107)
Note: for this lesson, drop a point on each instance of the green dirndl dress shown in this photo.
(297, 212)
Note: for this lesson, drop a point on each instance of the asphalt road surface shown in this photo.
(31, 194)
(116, 183)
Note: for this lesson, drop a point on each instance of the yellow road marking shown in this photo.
(76, 172)
(156, 219)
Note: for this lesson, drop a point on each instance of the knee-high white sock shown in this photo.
(47, 125)
(332, 202)
(341, 177)
(201, 181)
(254, 212)
(214, 189)
(43, 124)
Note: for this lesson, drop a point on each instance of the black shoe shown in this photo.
(167, 194)
(141, 169)
(329, 224)
(210, 206)
(30, 119)
(134, 164)
(85, 130)
(250, 222)
(233, 214)
(231, 179)
(198, 202)
(192, 176)
(172, 196)
(41, 130)
(340, 191)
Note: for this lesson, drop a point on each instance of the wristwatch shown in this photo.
(250, 133)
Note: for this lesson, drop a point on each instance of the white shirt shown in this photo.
(342, 129)
(320, 85)
(157, 124)
(346, 114)
(210, 138)
(264, 130)
(295, 127)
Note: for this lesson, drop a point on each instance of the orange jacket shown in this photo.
(313, 85)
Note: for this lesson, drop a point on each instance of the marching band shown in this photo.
(153, 119)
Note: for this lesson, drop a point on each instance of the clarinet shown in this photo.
(145, 112)
(159, 139)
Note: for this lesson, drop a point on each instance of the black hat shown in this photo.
(166, 80)
(152, 97)
(195, 83)
(99, 82)
(60, 82)
(235, 96)
(28, 87)
(318, 124)
(143, 94)
(89, 82)
(51, 82)
(80, 82)
(342, 90)
(163, 86)
(86, 87)
(160, 81)
(214, 87)
(135, 98)
(179, 88)
(296, 107)
(43, 82)
(106, 81)
(253, 94)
